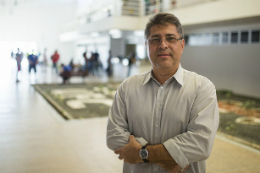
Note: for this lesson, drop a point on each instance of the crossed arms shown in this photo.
(175, 153)
(157, 155)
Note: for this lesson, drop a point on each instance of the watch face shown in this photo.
(143, 153)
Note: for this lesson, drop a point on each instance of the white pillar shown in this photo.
(141, 8)
(166, 5)
(157, 6)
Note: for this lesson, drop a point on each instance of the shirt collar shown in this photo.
(147, 77)
(178, 76)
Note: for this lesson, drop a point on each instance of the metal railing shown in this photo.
(148, 7)
(132, 8)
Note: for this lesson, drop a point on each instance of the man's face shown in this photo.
(164, 55)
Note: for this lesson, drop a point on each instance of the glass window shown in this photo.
(224, 37)
(234, 37)
(215, 38)
(207, 39)
(255, 36)
(193, 40)
(199, 39)
(244, 36)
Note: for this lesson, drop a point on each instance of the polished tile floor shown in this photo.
(34, 138)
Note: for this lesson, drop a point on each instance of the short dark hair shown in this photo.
(163, 19)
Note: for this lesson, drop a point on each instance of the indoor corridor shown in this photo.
(34, 138)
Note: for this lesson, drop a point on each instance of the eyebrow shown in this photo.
(167, 35)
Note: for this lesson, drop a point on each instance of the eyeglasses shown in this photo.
(158, 41)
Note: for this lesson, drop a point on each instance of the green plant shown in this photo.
(231, 127)
(249, 105)
(228, 96)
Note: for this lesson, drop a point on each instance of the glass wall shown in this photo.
(223, 38)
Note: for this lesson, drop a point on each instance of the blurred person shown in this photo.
(109, 64)
(91, 62)
(131, 62)
(55, 58)
(65, 73)
(33, 61)
(108, 13)
(97, 65)
(71, 64)
(12, 54)
(19, 58)
(164, 120)
(45, 60)
(85, 66)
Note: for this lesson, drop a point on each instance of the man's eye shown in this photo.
(156, 40)
(171, 39)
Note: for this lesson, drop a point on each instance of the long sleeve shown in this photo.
(196, 144)
(117, 128)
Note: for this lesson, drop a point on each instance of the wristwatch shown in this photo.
(144, 154)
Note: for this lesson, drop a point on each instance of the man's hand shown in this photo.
(173, 168)
(130, 152)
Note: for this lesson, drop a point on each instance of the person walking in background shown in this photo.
(19, 58)
(97, 65)
(12, 54)
(109, 65)
(45, 60)
(55, 58)
(90, 63)
(85, 66)
(131, 62)
(33, 61)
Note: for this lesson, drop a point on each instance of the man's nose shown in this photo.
(163, 44)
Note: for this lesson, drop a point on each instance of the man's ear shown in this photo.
(182, 44)
(146, 46)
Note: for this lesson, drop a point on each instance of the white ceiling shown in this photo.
(9, 7)
(9, 3)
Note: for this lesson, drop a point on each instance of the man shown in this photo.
(55, 58)
(131, 61)
(45, 60)
(33, 61)
(19, 58)
(164, 120)
(65, 73)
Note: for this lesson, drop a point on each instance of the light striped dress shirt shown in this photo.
(182, 114)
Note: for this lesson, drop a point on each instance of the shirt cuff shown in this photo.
(141, 140)
(176, 153)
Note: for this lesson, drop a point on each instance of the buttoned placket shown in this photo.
(157, 122)
(158, 116)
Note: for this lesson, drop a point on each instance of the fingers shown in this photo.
(120, 157)
(131, 137)
(117, 151)
(184, 169)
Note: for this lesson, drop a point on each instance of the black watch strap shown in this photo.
(145, 160)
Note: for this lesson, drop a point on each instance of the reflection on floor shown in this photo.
(35, 138)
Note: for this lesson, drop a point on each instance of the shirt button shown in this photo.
(161, 87)
(155, 169)
(156, 125)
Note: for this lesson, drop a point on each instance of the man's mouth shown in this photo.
(163, 55)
